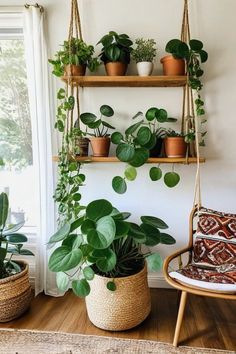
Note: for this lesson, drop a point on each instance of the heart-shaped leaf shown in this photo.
(154, 262)
(88, 118)
(171, 179)
(144, 135)
(98, 208)
(108, 263)
(64, 258)
(125, 152)
(81, 287)
(130, 173)
(88, 273)
(116, 138)
(119, 185)
(155, 173)
(63, 281)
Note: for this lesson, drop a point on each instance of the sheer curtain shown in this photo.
(41, 116)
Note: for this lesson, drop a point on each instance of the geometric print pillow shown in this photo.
(215, 239)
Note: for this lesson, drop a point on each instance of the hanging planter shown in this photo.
(74, 70)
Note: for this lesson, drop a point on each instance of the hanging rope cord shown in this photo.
(189, 118)
(75, 31)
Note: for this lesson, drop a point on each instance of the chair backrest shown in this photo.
(214, 241)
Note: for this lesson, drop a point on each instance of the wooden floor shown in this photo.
(209, 323)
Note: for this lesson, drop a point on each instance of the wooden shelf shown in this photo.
(126, 81)
(182, 160)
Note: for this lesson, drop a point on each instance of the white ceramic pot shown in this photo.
(144, 68)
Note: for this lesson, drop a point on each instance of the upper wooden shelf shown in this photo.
(126, 81)
(182, 160)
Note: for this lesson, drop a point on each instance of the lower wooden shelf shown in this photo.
(108, 159)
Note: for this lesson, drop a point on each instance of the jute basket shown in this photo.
(122, 309)
(15, 294)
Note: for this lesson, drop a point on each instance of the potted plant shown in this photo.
(100, 140)
(100, 256)
(144, 54)
(175, 144)
(15, 289)
(73, 58)
(115, 53)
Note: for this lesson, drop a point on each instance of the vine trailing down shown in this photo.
(102, 241)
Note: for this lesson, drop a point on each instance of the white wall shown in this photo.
(214, 23)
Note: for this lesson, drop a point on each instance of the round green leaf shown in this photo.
(77, 197)
(62, 281)
(104, 235)
(183, 50)
(111, 286)
(154, 262)
(122, 228)
(144, 135)
(98, 208)
(119, 185)
(125, 152)
(16, 238)
(203, 55)
(152, 234)
(151, 113)
(155, 222)
(172, 45)
(81, 287)
(130, 173)
(88, 273)
(166, 239)
(116, 138)
(87, 118)
(136, 233)
(155, 173)
(108, 263)
(161, 116)
(195, 44)
(64, 258)
(106, 110)
(87, 226)
(140, 157)
(171, 179)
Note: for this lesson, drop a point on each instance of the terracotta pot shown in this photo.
(172, 66)
(175, 146)
(145, 68)
(100, 146)
(83, 145)
(15, 294)
(156, 150)
(116, 68)
(75, 70)
(122, 309)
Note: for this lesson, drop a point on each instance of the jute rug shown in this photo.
(35, 342)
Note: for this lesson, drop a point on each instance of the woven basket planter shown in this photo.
(15, 294)
(122, 309)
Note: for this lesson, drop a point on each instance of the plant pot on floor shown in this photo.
(145, 68)
(172, 66)
(156, 150)
(116, 68)
(122, 309)
(175, 146)
(15, 294)
(100, 146)
(75, 70)
(82, 146)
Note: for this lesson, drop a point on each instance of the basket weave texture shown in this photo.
(122, 309)
(15, 294)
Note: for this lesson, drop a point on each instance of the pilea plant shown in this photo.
(102, 241)
(194, 55)
(134, 148)
(99, 126)
(11, 242)
(70, 178)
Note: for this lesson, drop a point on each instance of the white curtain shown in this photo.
(41, 116)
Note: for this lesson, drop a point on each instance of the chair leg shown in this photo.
(180, 317)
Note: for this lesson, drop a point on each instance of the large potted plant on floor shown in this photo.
(100, 256)
(73, 58)
(15, 289)
(100, 138)
(115, 53)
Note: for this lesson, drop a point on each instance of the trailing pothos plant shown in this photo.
(194, 55)
(134, 145)
(11, 242)
(70, 178)
(102, 241)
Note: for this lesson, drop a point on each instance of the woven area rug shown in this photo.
(35, 342)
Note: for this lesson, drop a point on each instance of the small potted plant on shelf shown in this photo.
(115, 53)
(73, 58)
(144, 54)
(100, 256)
(175, 144)
(100, 140)
(15, 289)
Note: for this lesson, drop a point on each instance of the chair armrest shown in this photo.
(173, 256)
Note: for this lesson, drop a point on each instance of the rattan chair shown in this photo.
(186, 288)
